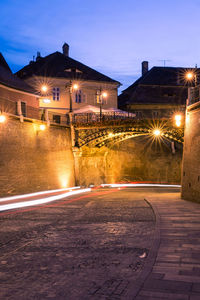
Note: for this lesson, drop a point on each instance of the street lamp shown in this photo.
(178, 120)
(44, 88)
(157, 132)
(2, 118)
(191, 76)
(102, 96)
(72, 87)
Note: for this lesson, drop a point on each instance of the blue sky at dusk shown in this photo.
(111, 36)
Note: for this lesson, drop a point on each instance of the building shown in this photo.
(16, 96)
(66, 84)
(158, 93)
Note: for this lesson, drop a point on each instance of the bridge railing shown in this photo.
(85, 118)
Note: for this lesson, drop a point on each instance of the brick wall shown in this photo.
(191, 157)
(32, 160)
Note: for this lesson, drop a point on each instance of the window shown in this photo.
(56, 94)
(101, 97)
(79, 97)
(56, 119)
(138, 114)
(155, 114)
(98, 97)
(23, 108)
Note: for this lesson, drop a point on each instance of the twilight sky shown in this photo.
(111, 36)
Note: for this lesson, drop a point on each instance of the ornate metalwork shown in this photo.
(99, 136)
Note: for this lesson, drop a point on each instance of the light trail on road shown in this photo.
(42, 200)
(57, 204)
(115, 185)
(11, 198)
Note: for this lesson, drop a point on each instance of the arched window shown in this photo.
(79, 97)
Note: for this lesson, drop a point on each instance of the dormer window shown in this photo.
(73, 70)
(56, 94)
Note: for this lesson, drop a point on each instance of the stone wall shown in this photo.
(191, 157)
(136, 159)
(32, 160)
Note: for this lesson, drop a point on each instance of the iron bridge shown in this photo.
(108, 133)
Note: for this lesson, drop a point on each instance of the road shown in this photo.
(106, 244)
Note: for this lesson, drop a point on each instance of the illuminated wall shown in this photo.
(131, 160)
(191, 157)
(34, 160)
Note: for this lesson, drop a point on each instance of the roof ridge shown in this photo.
(54, 65)
(3, 63)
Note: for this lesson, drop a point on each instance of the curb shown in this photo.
(139, 282)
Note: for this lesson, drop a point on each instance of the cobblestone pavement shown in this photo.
(103, 246)
(92, 248)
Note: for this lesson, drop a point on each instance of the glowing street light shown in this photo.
(102, 96)
(72, 87)
(192, 77)
(178, 120)
(110, 134)
(75, 87)
(44, 88)
(157, 132)
(189, 75)
(2, 118)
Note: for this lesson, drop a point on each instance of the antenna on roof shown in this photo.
(164, 61)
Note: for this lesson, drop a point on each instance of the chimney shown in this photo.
(145, 67)
(38, 56)
(65, 48)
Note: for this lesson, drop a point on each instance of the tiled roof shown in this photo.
(158, 85)
(8, 79)
(61, 66)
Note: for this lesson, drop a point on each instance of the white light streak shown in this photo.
(37, 194)
(42, 200)
(115, 185)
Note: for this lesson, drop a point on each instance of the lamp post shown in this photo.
(72, 87)
(191, 76)
(102, 96)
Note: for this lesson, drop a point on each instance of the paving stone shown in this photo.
(196, 287)
(161, 295)
(167, 285)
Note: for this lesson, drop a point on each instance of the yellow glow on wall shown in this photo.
(64, 180)
(42, 127)
(187, 118)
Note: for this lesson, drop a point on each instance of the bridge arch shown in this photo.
(109, 135)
